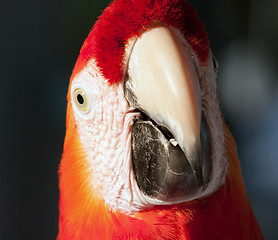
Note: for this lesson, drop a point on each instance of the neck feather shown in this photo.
(84, 216)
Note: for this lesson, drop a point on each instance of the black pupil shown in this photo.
(80, 99)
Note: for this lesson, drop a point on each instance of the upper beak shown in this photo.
(162, 82)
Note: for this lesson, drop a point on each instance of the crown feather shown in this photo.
(123, 19)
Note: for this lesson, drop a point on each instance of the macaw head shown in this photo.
(144, 127)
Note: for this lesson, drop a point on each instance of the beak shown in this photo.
(170, 142)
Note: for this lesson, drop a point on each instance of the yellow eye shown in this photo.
(80, 99)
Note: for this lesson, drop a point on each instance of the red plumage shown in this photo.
(226, 214)
(124, 19)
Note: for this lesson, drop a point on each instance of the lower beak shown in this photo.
(170, 143)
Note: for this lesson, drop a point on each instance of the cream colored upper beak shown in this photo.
(163, 78)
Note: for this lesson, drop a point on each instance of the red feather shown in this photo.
(226, 214)
(124, 19)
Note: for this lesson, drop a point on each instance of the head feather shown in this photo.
(124, 19)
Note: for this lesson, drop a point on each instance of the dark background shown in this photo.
(40, 41)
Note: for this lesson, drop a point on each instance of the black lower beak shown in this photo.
(161, 168)
(162, 81)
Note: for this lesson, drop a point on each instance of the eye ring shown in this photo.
(80, 99)
(215, 64)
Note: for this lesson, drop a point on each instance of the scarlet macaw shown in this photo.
(146, 153)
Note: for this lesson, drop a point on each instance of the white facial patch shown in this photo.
(105, 132)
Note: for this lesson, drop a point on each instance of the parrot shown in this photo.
(147, 154)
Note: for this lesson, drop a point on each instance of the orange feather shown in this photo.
(226, 214)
